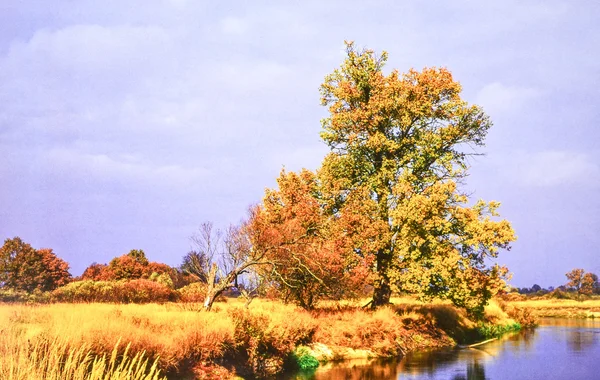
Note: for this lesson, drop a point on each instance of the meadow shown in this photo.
(180, 340)
(542, 307)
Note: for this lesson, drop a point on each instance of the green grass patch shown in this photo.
(488, 331)
(304, 359)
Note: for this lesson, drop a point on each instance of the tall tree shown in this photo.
(401, 142)
(24, 268)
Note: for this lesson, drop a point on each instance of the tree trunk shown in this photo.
(210, 291)
(382, 290)
(208, 301)
(381, 293)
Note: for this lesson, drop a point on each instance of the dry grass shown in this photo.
(21, 359)
(182, 338)
(561, 307)
(164, 332)
(178, 336)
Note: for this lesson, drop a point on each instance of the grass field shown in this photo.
(566, 308)
(182, 340)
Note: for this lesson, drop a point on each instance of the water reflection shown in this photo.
(558, 349)
(580, 341)
(475, 371)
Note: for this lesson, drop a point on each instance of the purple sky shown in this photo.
(125, 124)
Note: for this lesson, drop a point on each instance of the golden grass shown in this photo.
(58, 360)
(183, 338)
(566, 308)
(162, 331)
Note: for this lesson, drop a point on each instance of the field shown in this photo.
(185, 342)
(565, 308)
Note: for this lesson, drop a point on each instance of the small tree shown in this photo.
(308, 251)
(589, 284)
(219, 261)
(575, 278)
(24, 268)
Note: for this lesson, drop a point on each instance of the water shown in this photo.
(557, 349)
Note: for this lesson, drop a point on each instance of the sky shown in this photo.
(126, 124)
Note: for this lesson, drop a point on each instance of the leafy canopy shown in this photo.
(400, 143)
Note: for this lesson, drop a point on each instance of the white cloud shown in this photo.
(234, 25)
(499, 98)
(555, 168)
(129, 168)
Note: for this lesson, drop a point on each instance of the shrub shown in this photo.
(135, 291)
(562, 295)
(194, 292)
(11, 295)
(145, 291)
(267, 344)
(87, 291)
(523, 316)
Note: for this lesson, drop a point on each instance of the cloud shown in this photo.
(499, 98)
(554, 168)
(129, 168)
(234, 25)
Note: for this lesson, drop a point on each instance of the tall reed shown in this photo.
(56, 360)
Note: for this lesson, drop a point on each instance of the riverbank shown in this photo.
(560, 308)
(185, 341)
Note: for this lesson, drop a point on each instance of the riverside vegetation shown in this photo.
(151, 341)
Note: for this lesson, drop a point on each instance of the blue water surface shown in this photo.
(561, 349)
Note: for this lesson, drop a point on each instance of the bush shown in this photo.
(146, 291)
(523, 316)
(135, 291)
(267, 344)
(562, 295)
(194, 292)
(10, 295)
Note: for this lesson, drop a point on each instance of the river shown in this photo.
(557, 349)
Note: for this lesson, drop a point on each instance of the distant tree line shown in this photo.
(579, 283)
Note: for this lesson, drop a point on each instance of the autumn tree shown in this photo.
(575, 278)
(195, 264)
(95, 272)
(589, 284)
(583, 283)
(24, 268)
(130, 266)
(308, 257)
(400, 143)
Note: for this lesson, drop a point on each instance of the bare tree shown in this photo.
(251, 286)
(219, 259)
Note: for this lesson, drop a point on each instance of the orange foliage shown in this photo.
(24, 268)
(300, 243)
